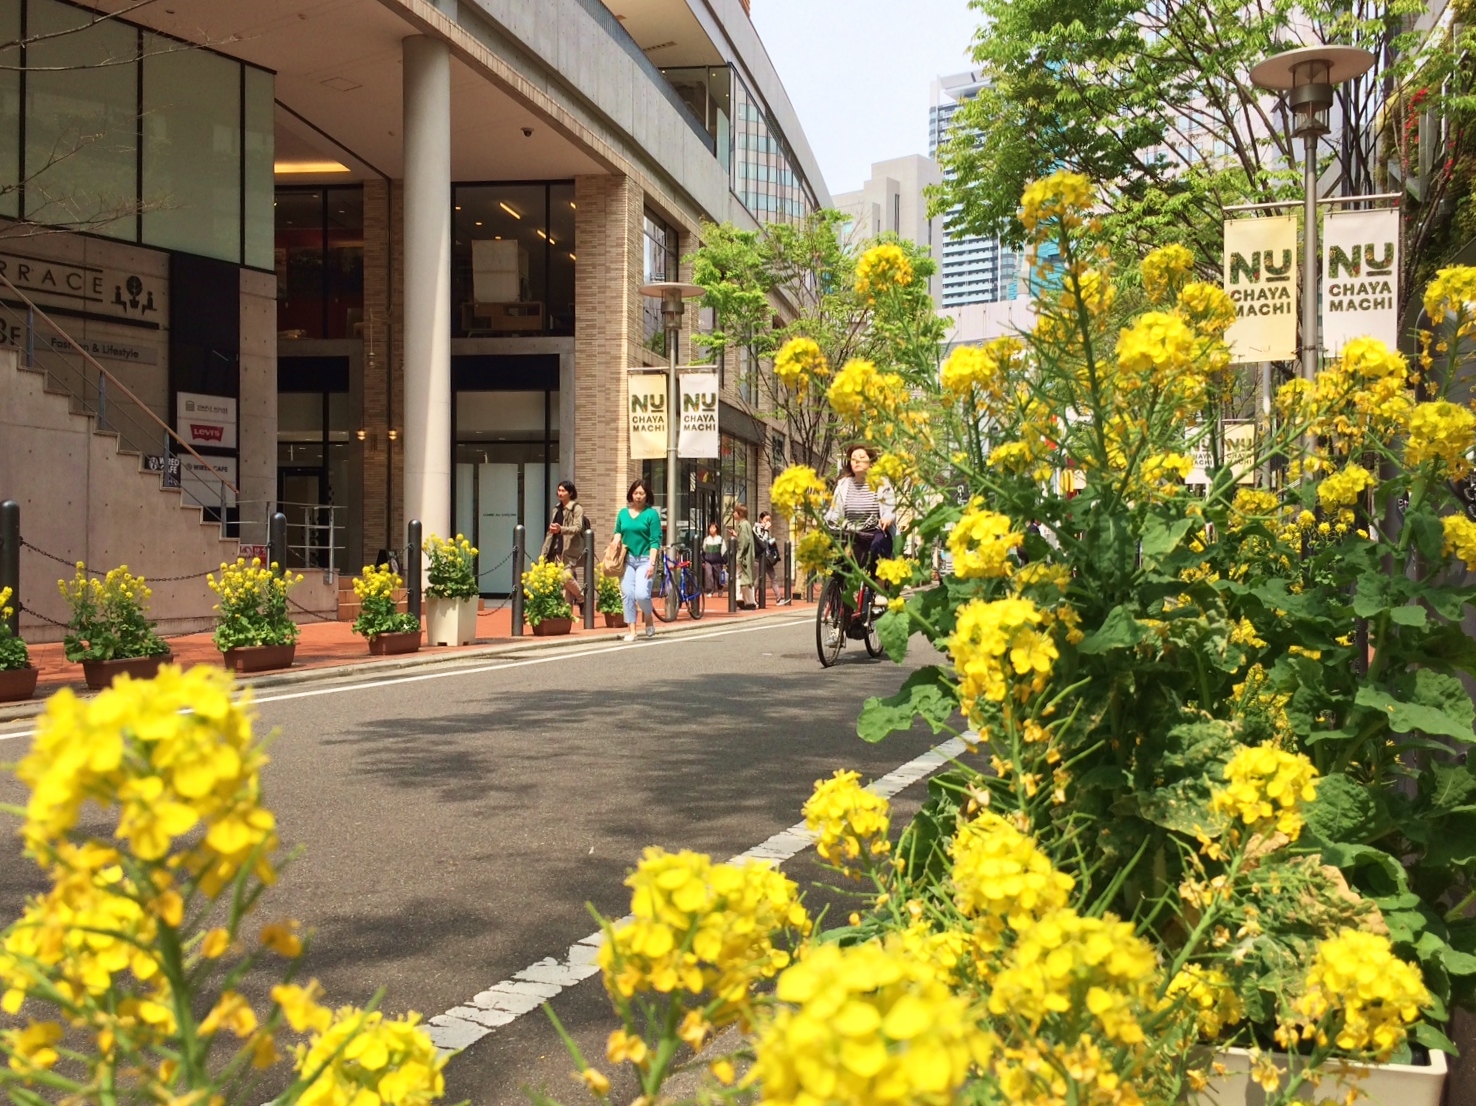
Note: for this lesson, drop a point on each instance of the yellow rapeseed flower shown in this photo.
(849, 822)
(882, 268)
(1368, 994)
(798, 361)
(1164, 272)
(1266, 788)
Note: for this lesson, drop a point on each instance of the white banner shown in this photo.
(647, 415)
(1360, 275)
(1261, 277)
(205, 420)
(699, 425)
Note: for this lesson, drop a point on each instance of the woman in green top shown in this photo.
(639, 529)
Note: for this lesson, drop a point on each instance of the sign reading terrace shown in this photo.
(1261, 278)
(1360, 276)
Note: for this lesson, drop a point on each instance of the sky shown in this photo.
(859, 73)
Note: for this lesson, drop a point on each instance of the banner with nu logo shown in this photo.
(699, 426)
(1360, 274)
(1261, 277)
(646, 404)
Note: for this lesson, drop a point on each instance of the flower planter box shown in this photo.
(450, 621)
(615, 621)
(18, 683)
(550, 627)
(384, 645)
(259, 658)
(101, 674)
(1378, 1084)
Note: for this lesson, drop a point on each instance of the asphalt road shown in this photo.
(453, 824)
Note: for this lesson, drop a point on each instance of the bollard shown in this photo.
(10, 560)
(733, 576)
(520, 535)
(590, 579)
(788, 572)
(413, 566)
(277, 541)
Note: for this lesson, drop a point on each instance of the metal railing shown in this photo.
(316, 535)
(95, 391)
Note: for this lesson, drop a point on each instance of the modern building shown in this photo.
(372, 260)
(892, 201)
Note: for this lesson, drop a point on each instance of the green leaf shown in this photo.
(1343, 811)
(924, 694)
(1448, 787)
(1119, 630)
(1429, 534)
(1371, 597)
(1409, 615)
(1160, 538)
(1426, 1034)
(1432, 712)
(894, 628)
(1455, 844)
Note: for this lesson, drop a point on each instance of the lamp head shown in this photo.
(1308, 76)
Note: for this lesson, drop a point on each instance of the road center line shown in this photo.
(527, 990)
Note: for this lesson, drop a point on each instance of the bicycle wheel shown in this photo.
(660, 583)
(693, 591)
(830, 623)
(873, 639)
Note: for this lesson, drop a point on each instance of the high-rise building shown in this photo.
(892, 201)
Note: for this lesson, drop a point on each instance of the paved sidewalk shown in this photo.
(329, 649)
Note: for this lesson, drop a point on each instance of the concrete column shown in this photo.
(427, 300)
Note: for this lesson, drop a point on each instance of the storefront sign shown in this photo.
(97, 291)
(1261, 277)
(1360, 275)
(699, 436)
(201, 485)
(647, 415)
(1239, 453)
(104, 349)
(205, 420)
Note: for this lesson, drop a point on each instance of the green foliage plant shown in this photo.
(253, 605)
(13, 652)
(453, 568)
(376, 588)
(108, 620)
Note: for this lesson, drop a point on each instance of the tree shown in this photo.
(1152, 101)
(804, 273)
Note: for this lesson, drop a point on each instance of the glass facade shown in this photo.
(512, 259)
(708, 91)
(133, 135)
(662, 262)
(763, 174)
(319, 260)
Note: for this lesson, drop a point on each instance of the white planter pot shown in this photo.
(1377, 1084)
(450, 621)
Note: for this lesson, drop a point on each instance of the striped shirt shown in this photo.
(863, 510)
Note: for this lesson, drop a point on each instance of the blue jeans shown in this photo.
(635, 589)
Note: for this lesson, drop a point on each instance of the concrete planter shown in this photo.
(551, 627)
(259, 658)
(101, 674)
(384, 645)
(18, 683)
(450, 621)
(1378, 1084)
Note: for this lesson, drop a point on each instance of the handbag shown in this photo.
(613, 562)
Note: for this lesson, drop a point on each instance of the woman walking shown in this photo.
(565, 540)
(744, 538)
(638, 526)
(714, 556)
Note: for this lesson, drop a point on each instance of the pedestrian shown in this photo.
(714, 556)
(638, 527)
(743, 536)
(766, 550)
(564, 542)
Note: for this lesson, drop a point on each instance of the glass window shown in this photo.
(561, 258)
(299, 262)
(502, 275)
(660, 263)
(10, 109)
(343, 295)
(259, 146)
(192, 150)
(81, 120)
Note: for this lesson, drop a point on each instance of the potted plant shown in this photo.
(450, 591)
(17, 673)
(108, 631)
(253, 629)
(608, 600)
(545, 602)
(387, 628)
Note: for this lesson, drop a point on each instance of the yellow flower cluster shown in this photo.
(848, 821)
(1357, 976)
(1460, 538)
(866, 1025)
(1000, 874)
(117, 591)
(798, 361)
(1065, 962)
(1266, 787)
(981, 542)
(997, 643)
(1088, 288)
(242, 582)
(986, 368)
(861, 388)
(896, 468)
(363, 1058)
(1210, 996)
(377, 582)
(700, 927)
(881, 268)
(544, 579)
(895, 572)
(1361, 397)
(1062, 198)
(1453, 292)
(1345, 487)
(798, 490)
(1441, 431)
(1158, 351)
(1207, 307)
(1035, 1073)
(815, 550)
(1164, 272)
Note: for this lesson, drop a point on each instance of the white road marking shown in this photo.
(527, 990)
(475, 670)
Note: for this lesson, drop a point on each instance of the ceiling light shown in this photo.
(541, 234)
(573, 258)
(458, 207)
(571, 206)
(509, 210)
(479, 222)
(284, 168)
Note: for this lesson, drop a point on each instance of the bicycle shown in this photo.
(677, 573)
(831, 628)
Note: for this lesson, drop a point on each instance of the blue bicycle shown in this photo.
(677, 575)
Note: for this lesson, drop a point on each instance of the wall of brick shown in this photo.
(384, 523)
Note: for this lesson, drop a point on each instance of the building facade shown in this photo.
(892, 201)
(375, 260)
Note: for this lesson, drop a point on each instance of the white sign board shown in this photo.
(646, 404)
(1360, 275)
(203, 420)
(1239, 453)
(699, 405)
(201, 486)
(1261, 277)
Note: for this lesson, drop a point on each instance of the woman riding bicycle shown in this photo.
(864, 510)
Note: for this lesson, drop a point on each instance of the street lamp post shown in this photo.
(672, 293)
(1308, 76)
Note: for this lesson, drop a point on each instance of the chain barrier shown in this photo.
(44, 618)
(100, 575)
(311, 614)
